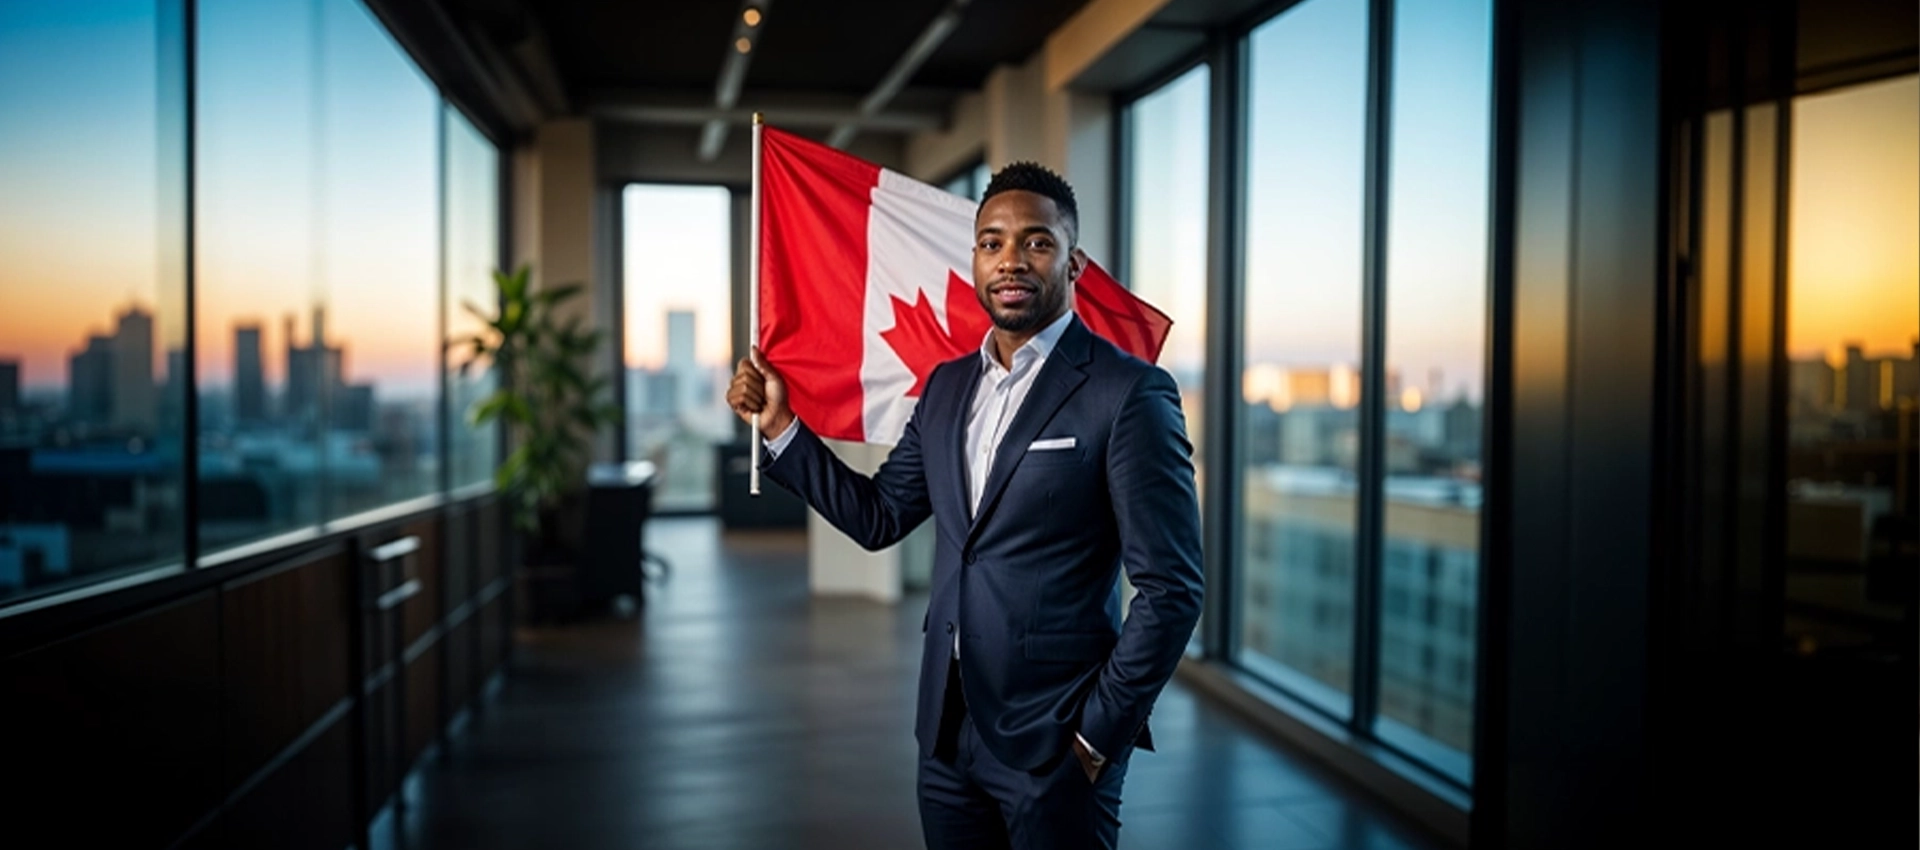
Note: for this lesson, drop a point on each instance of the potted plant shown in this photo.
(550, 404)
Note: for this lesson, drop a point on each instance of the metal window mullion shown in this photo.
(189, 382)
(1122, 181)
(1369, 525)
(1727, 571)
(1774, 547)
(613, 199)
(444, 428)
(1226, 207)
(1491, 646)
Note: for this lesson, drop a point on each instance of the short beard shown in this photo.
(1022, 322)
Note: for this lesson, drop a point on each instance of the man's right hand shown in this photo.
(756, 388)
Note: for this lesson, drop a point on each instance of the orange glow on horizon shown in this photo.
(1854, 231)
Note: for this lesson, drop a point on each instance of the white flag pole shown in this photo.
(753, 297)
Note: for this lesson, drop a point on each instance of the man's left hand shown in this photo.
(1085, 756)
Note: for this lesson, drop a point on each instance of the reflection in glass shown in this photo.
(472, 254)
(1301, 387)
(92, 297)
(1853, 336)
(317, 267)
(678, 310)
(1167, 238)
(1167, 230)
(379, 261)
(257, 279)
(1435, 336)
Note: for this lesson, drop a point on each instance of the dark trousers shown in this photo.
(970, 801)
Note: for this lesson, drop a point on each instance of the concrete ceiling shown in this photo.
(818, 61)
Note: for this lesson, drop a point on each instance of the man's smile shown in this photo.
(1012, 294)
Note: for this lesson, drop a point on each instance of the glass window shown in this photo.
(318, 267)
(92, 299)
(1302, 325)
(1435, 338)
(971, 182)
(472, 191)
(678, 310)
(1853, 408)
(1167, 230)
(258, 276)
(378, 217)
(1166, 247)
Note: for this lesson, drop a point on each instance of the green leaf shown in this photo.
(551, 295)
(513, 287)
(507, 476)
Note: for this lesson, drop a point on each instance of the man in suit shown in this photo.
(1050, 460)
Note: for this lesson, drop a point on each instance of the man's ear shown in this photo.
(1076, 264)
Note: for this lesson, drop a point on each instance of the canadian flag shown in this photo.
(865, 286)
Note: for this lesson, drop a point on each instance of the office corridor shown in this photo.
(740, 712)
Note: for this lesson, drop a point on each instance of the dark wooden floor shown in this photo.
(740, 712)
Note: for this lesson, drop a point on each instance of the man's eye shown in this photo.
(989, 245)
(1039, 244)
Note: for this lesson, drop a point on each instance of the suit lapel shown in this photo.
(1062, 374)
(954, 454)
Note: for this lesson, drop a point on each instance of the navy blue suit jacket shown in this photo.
(1031, 584)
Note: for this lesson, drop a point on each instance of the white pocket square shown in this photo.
(1052, 444)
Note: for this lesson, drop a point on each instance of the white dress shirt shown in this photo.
(1002, 392)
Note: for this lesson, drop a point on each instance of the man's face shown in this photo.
(1024, 262)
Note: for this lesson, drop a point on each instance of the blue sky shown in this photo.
(1307, 139)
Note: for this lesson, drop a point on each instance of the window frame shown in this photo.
(1227, 52)
(178, 72)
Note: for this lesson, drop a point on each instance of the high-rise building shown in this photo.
(9, 385)
(353, 407)
(1873, 384)
(1906, 377)
(662, 396)
(1810, 385)
(1461, 425)
(135, 402)
(684, 387)
(90, 382)
(1309, 388)
(313, 372)
(680, 340)
(249, 376)
(173, 391)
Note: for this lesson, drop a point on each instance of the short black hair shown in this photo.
(1040, 180)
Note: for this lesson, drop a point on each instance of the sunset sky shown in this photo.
(677, 258)
(80, 211)
(317, 188)
(1302, 305)
(1854, 243)
(79, 203)
(323, 189)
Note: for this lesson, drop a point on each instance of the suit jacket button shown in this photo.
(949, 628)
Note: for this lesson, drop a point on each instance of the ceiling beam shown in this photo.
(903, 70)
(785, 109)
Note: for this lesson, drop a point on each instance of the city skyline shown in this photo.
(678, 257)
(101, 380)
(86, 220)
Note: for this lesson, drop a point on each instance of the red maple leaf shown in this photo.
(920, 341)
